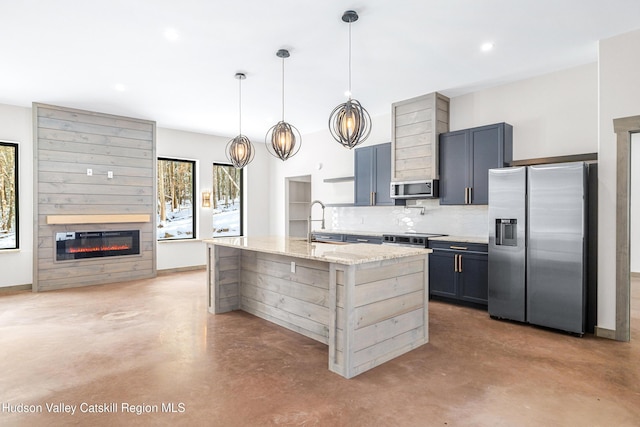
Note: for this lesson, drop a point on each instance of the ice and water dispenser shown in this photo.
(506, 232)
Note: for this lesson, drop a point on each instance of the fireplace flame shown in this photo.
(99, 249)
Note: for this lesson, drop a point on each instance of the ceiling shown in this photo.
(113, 56)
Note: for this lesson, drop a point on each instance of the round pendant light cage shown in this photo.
(240, 151)
(350, 123)
(283, 140)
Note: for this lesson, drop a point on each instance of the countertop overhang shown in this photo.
(349, 254)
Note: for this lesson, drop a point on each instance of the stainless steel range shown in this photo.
(409, 239)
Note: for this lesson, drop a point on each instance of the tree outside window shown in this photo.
(175, 202)
(227, 200)
(9, 238)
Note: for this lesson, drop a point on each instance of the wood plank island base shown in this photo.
(368, 303)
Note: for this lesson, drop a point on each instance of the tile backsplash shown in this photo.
(426, 216)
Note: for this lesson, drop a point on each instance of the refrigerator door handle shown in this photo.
(498, 233)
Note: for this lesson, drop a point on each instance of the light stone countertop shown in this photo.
(462, 239)
(340, 253)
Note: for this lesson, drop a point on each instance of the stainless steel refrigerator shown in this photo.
(538, 245)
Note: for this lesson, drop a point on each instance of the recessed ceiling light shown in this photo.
(171, 34)
(119, 87)
(486, 47)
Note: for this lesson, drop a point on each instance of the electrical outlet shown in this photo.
(110, 174)
(89, 172)
(293, 266)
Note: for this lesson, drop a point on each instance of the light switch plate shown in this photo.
(293, 266)
(89, 172)
(110, 174)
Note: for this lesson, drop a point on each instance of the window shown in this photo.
(227, 200)
(176, 216)
(9, 238)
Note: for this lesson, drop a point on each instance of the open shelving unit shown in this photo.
(298, 198)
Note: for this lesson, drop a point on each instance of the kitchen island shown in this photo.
(368, 303)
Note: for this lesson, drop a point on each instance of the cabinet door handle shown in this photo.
(455, 262)
(374, 198)
(460, 248)
(459, 263)
(470, 195)
(362, 240)
(465, 195)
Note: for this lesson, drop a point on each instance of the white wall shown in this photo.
(554, 114)
(17, 266)
(619, 63)
(635, 203)
(206, 150)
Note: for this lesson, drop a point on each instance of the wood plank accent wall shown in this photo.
(416, 125)
(67, 142)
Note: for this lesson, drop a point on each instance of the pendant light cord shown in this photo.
(349, 60)
(240, 106)
(283, 89)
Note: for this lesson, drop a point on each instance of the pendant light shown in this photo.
(350, 123)
(283, 140)
(240, 152)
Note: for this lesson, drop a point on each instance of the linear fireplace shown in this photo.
(93, 244)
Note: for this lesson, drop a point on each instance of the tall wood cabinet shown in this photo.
(416, 124)
(465, 159)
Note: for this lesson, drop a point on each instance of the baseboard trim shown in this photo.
(605, 333)
(635, 275)
(16, 288)
(181, 269)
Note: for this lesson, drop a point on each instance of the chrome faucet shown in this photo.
(312, 220)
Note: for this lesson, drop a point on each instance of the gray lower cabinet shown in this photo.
(458, 272)
(357, 238)
(465, 159)
(319, 236)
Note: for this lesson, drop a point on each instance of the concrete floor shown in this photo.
(151, 342)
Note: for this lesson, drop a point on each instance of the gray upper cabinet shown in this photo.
(373, 175)
(465, 159)
(416, 124)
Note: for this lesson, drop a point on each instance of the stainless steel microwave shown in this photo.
(426, 189)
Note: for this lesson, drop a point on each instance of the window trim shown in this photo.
(194, 222)
(241, 198)
(16, 183)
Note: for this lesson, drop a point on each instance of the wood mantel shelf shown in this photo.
(97, 219)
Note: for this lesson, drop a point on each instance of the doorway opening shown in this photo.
(625, 129)
(634, 238)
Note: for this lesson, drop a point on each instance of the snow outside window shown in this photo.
(227, 200)
(9, 195)
(176, 183)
